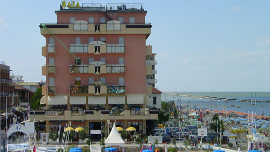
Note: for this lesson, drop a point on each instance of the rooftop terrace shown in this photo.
(99, 7)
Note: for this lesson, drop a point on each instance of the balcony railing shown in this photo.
(78, 89)
(115, 68)
(115, 48)
(78, 68)
(116, 89)
(78, 48)
(54, 112)
(6, 80)
(124, 6)
(139, 111)
(51, 69)
(51, 89)
(51, 48)
(78, 112)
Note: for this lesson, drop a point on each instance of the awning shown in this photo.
(57, 100)
(135, 99)
(97, 100)
(116, 99)
(77, 100)
(43, 100)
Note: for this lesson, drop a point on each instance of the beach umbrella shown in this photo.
(131, 129)
(119, 128)
(147, 150)
(78, 129)
(110, 149)
(218, 150)
(68, 129)
(264, 127)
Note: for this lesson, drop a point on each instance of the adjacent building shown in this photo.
(98, 69)
(6, 87)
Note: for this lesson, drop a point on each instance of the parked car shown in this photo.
(178, 135)
(165, 138)
(158, 131)
(192, 127)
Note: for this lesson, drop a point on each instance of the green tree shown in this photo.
(163, 117)
(167, 106)
(124, 134)
(35, 100)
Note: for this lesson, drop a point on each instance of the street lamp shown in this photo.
(108, 122)
(34, 130)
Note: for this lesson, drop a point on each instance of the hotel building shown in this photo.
(98, 68)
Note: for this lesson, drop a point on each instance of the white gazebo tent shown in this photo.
(114, 138)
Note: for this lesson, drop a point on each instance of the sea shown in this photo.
(228, 101)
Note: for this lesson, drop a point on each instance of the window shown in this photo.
(72, 20)
(121, 19)
(51, 81)
(103, 60)
(51, 40)
(91, 39)
(90, 60)
(78, 61)
(121, 40)
(103, 39)
(154, 100)
(132, 20)
(77, 40)
(51, 61)
(121, 81)
(102, 79)
(121, 60)
(102, 20)
(91, 20)
(77, 81)
(90, 80)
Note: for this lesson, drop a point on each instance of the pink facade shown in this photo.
(134, 56)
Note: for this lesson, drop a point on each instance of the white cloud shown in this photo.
(5, 26)
(262, 41)
(236, 7)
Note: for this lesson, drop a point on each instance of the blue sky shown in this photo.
(201, 45)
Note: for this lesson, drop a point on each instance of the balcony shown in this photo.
(56, 114)
(78, 89)
(78, 48)
(51, 89)
(77, 112)
(97, 89)
(51, 48)
(98, 48)
(154, 71)
(139, 112)
(149, 50)
(79, 69)
(44, 51)
(115, 48)
(151, 81)
(51, 69)
(98, 28)
(151, 62)
(116, 89)
(115, 68)
(148, 70)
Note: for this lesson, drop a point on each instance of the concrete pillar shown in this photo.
(125, 124)
(87, 126)
(87, 105)
(47, 126)
(144, 102)
(107, 105)
(126, 107)
(144, 126)
(68, 103)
